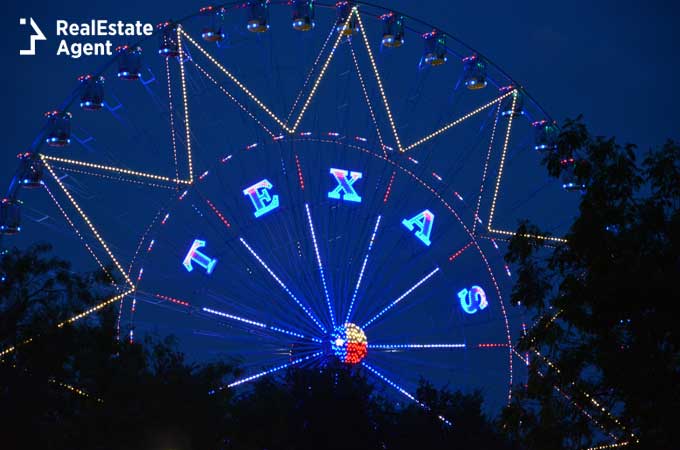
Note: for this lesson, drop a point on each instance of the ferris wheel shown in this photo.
(301, 184)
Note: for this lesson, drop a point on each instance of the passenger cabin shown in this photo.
(435, 48)
(570, 182)
(513, 104)
(92, 95)
(474, 72)
(346, 22)
(58, 128)
(545, 138)
(211, 18)
(10, 216)
(30, 174)
(129, 62)
(168, 46)
(303, 15)
(393, 30)
(258, 17)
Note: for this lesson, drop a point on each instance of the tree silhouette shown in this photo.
(78, 386)
(603, 302)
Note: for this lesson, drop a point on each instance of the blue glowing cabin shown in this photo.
(211, 18)
(512, 105)
(167, 39)
(545, 138)
(58, 128)
(30, 173)
(10, 216)
(129, 62)
(393, 30)
(570, 182)
(92, 95)
(346, 22)
(474, 72)
(435, 48)
(258, 16)
(303, 15)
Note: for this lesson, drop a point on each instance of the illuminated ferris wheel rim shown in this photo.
(378, 10)
(329, 346)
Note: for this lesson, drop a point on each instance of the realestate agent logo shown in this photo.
(37, 35)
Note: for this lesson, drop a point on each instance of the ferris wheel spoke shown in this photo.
(368, 99)
(310, 73)
(401, 297)
(306, 310)
(232, 98)
(401, 347)
(363, 268)
(320, 265)
(184, 307)
(258, 325)
(456, 122)
(402, 391)
(295, 362)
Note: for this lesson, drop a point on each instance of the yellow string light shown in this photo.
(75, 390)
(86, 219)
(186, 103)
(527, 235)
(486, 168)
(502, 163)
(113, 169)
(355, 11)
(309, 74)
(171, 110)
(320, 77)
(457, 121)
(368, 100)
(241, 86)
(79, 234)
(95, 308)
(114, 178)
(233, 99)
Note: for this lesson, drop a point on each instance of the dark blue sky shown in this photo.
(615, 62)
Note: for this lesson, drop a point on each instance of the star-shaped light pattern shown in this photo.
(347, 342)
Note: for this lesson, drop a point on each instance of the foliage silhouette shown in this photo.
(604, 302)
(148, 395)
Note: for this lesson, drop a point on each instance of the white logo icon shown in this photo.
(36, 36)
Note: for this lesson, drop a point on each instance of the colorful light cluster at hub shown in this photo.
(349, 343)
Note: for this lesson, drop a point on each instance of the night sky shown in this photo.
(613, 62)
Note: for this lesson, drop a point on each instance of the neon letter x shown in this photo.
(345, 185)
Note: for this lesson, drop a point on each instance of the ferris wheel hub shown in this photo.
(349, 343)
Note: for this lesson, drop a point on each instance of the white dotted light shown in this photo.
(320, 265)
(283, 285)
(401, 297)
(186, 103)
(112, 169)
(355, 11)
(87, 221)
(236, 81)
(368, 99)
(457, 121)
(363, 268)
